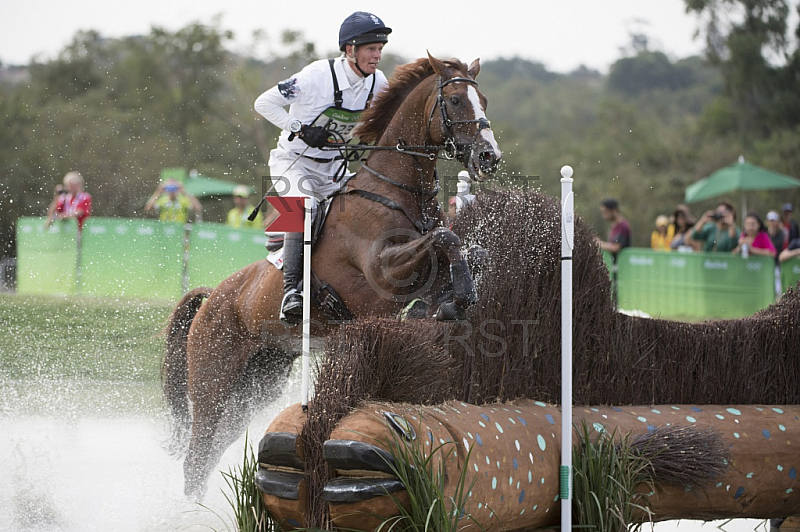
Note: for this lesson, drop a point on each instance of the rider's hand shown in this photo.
(314, 136)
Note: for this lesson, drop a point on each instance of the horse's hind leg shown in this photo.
(222, 412)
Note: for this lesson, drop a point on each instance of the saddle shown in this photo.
(323, 294)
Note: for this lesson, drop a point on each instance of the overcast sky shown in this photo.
(561, 34)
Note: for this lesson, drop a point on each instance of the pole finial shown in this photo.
(566, 171)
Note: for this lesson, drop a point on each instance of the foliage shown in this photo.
(431, 508)
(611, 481)
(750, 41)
(250, 514)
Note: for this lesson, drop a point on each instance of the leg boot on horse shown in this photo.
(292, 304)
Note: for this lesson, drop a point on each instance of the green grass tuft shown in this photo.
(430, 507)
(611, 482)
(250, 514)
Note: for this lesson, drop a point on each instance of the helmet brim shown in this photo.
(368, 38)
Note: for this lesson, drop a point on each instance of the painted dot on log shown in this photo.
(690, 419)
(549, 419)
(542, 443)
(734, 411)
(739, 492)
(766, 433)
(499, 428)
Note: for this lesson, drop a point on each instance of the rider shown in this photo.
(325, 101)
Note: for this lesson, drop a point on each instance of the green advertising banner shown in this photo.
(694, 285)
(216, 251)
(132, 258)
(790, 273)
(47, 260)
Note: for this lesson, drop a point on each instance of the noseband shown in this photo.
(453, 149)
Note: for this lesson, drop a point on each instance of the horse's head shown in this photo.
(463, 126)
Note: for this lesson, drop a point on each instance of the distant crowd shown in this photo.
(170, 201)
(715, 231)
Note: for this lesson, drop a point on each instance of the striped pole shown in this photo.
(567, 245)
(306, 302)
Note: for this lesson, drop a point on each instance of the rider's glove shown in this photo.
(314, 136)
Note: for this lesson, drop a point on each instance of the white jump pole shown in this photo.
(567, 245)
(306, 302)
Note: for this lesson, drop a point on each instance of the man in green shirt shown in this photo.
(237, 217)
(716, 230)
(173, 203)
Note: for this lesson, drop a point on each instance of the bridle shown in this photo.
(450, 148)
(453, 149)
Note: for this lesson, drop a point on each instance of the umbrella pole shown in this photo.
(744, 209)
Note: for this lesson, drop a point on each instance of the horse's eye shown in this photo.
(455, 100)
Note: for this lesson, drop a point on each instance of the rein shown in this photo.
(450, 147)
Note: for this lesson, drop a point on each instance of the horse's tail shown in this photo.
(174, 372)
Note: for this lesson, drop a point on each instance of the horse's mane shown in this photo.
(404, 79)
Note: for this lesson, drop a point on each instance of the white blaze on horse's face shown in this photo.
(486, 134)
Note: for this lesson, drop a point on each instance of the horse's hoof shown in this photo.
(417, 309)
(451, 312)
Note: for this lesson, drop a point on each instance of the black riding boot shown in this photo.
(292, 305)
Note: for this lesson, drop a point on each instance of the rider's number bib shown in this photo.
(340, 121)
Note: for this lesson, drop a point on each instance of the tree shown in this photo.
(742, 36)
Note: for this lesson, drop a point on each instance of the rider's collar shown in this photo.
(353, 79)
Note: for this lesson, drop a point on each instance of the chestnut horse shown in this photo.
(382, 246)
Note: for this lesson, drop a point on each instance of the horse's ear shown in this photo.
(438, 66)
(474, 68)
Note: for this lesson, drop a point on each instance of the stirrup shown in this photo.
(292, 307)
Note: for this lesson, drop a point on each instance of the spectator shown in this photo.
(682, 221)
(792, 250)
(462, 197)
(70, 201)
(776, 232)
(619, 235)
(237, 217)
(661, 237)
(755, 237)
(716, 229)
(173, 203)
(789, 225)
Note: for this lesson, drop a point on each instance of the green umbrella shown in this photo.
(201, 186)
(738, 177)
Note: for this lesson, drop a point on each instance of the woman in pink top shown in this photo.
(70, 201)
(756, 238)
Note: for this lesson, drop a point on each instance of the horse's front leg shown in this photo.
(417, 264)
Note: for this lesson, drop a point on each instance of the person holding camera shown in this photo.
(172, 203)
(716, 229)
(70, 201)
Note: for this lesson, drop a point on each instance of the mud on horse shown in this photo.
(383, 246)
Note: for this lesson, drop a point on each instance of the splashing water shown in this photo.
(80, 456)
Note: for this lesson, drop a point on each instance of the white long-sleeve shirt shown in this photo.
(310, 92)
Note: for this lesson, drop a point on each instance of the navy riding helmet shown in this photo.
(362, 28)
